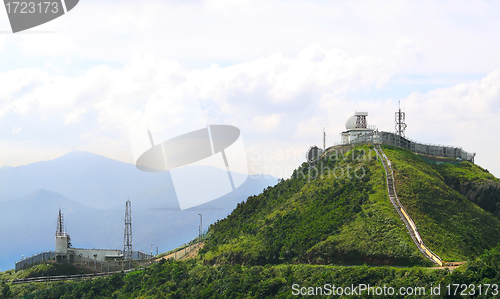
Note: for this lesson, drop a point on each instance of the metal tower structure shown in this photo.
(361, 121)
(400, 122)
(127, 235)
(60, 225)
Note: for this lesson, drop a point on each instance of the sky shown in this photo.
(280, 71)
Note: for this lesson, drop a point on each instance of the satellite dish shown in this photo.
(313, 153)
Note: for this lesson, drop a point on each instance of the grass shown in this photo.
(320, 219)
(328, 219)
(450, 225)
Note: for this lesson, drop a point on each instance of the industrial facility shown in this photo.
(93, 259)
(359, 131)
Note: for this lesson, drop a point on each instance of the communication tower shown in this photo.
(60, 225)
(400, 122)
(127, 235)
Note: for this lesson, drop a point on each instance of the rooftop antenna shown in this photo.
(60, 224)
(400, 121)
(127, 235)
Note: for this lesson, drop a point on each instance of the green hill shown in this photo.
(320, 216)
(336, 212)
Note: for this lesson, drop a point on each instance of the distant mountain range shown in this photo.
(91, 191)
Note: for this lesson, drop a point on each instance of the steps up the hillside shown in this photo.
(393, 197)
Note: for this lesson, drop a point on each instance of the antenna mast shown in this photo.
(127, 235)
(400, 121)
(60, 225)
(324, 139)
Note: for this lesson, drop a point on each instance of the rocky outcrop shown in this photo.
(485, 194)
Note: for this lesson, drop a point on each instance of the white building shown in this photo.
(356, 125)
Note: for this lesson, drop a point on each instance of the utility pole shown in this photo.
(201, 225)
(324, 139)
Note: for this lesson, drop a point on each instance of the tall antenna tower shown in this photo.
(60, 225)
(400, 121)
(127, 235)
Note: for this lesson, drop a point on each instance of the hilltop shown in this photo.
(332, 219)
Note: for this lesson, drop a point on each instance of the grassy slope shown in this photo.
(450, 225)
(375, 236)
(465, 172)
(331, 219)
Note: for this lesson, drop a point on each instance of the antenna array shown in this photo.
(400, 122)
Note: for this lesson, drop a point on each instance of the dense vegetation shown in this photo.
(347, 219)
(8, 291)
(335, 212)
(191, 279)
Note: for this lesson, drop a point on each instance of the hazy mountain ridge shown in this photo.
(87, 178)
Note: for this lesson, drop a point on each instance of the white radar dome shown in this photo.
(350, 121)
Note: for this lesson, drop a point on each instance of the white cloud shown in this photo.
(454, 36)
(51, 44)
(258, 96)
(16, 130)
(310, 127)
(266, 123)
(464, 115)
(75, 116)
(3, 41)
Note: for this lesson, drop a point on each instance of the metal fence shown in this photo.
(34, 260)
(92, 264)
(426, 149)
(61, 277)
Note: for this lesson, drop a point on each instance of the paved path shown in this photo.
(184, 253)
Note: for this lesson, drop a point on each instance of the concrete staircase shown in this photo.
(393, 197)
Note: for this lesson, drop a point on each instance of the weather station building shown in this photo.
(359, 131)
(356, 125)
(96, 259)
